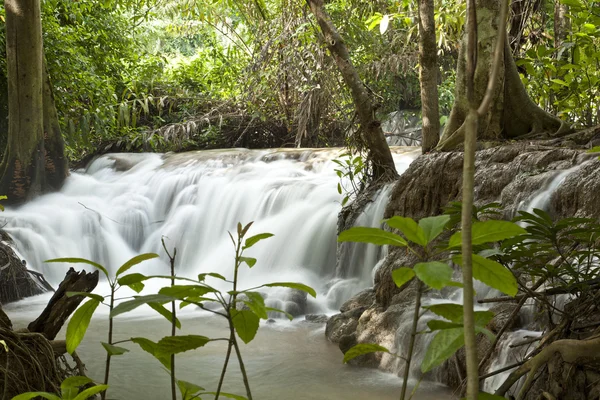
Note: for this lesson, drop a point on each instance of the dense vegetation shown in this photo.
(179, 75)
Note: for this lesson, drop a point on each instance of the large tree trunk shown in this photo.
(29, 166)
(428, 76)
(380, 155)
(513, 114)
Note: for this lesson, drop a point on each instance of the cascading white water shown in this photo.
(123, 204)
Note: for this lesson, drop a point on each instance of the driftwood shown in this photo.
(60, 306)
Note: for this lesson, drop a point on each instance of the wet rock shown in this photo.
(347, 342)
(343, 324)
(316, 318)
(16, 282)
(366, 298)
(295, 303)
(271, 321)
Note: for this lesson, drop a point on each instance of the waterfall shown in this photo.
(123, 204)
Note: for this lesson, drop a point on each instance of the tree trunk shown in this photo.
(30, 166)
(513, 114)
(562, 24)
(380, 155)
(428, 76)
(61, 306)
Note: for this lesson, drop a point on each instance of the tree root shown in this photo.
(571, 351)
(28, 365)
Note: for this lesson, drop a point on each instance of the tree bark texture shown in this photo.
(513, 113)
(60, 307)
(428, 76)
(30, 166)
(379, 152)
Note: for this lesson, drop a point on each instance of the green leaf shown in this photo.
(434, 274)
(433, 226)
(371, 235)
(437, 325)
(293, 285)
(572, 3)
(178, 344)
(487, 396)
(409, 228)
(202, 277)
(129, 305)
(482, 318)
(451, 311)
(251, 241)
(86, 294)
(188, 390)
(33, 395)
(183, 291)
(162, 310)
(595, 149)
(151, 347)
(90, 392)
(79, 323)
(256, 303)
(560, 82)
(248, 260)
(135, 261)
(114, 350)
(363, 348)
(79, 261)
(245, 323)
(132, 279)
(445, 343)
(488, 231)
(402, 275)
(492, 273)
(69, 388)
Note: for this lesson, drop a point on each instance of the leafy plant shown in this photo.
(70, 390)
(352, 173)
(243, 310)
(419, 238)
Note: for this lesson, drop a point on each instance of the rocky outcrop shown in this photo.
(512, 175)
(16, 282)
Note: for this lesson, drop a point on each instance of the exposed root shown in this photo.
(578, 352)
(29, 365)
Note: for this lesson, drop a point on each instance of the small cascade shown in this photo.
(123, 204)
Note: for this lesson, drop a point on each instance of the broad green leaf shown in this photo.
(445, 343)
(135, 261)
(434, 274)
(487, 396)
(451, 311)
(363, 348)
(371, 235)
(487, 253)
(86, 294)
(202, 277)
(251, 241)
(188, 390)
(487, 232)
(486, 332)
(162, 310)
(433, 226)
(69, 388)
(90, 392)
(183, 291)
(79, 261)
(151, 347)
(409, 228)
(402, 275)
(178, 344)
(492, 274)
(79, 323)
(595, 149)
(132, 279)
(482, 318)
(248, 260)
(572, 3)
(256, 303)
(293, 285)
(33, 395)
(129, 305)
(437, 325)
(245, 323)
(114, 350)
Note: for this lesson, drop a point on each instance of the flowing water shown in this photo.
(123, 205)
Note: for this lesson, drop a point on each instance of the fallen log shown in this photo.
(60, 307)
